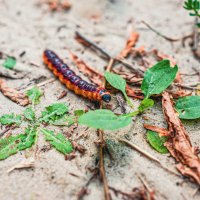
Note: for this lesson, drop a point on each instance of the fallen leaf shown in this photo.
(95, 76)
(14, 95)
(160, 131)
(28, 163)
(129, 45)
(179, 144)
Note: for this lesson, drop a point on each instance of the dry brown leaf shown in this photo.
(95, 76)
(160, 131)
(179, 93)
(129, 45)
(131, 93)
(13, 94)
(28, 163)
(179, 144)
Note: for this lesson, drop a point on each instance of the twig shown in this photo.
(190, 87)
(160, 34)
(102, 144)
(7, 129)
(147, 155)
(86, 42)
(42, 83)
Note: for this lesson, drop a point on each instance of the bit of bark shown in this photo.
(179, 144)
(12, 94)
(7, 129)
(70, 156)
(129, 45)
(95, 76)
(121, 103)
(62, 95)
(160, 131)
(80, 148)
(137, 193)
(179, 93)
(28, 163)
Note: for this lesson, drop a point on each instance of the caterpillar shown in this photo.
(72, 81)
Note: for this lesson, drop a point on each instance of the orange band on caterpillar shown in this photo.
(72, 81)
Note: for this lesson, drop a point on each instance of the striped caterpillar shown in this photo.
(72, 81)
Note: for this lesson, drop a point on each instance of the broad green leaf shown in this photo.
(78, 113)
(104, 119)
(158, 78)
(188, 107)
(58, 141)
(157, 142)
(9, 63)
(28, 139)
(34, 95)
(54, 112)
(9, 119)
(8, 146)
(119, 83)
(145, 104)
(29, 114)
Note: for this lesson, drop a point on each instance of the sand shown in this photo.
(27, 26)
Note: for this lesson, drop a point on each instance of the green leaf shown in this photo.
(9, 63)
(58, 141)
(145, 104)
(28, 139)
(34, 95)
(54, 112)
(157, 142)
(158, 78)
(9, 119)
(8, 146)
(63, 121)
(104, 119)
(78, 113)
(119, 83)
(188, 107)
(29, 114)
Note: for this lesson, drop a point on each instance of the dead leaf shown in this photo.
(178, 143)
(131, 93)
(13, 94)
(28, 163)
(160, 131)
(129, 45)
(95, 76)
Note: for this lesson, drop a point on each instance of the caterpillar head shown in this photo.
(105, 96)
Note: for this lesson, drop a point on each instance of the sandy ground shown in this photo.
(25, 26)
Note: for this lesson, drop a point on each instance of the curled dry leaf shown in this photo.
(129, 45)
(160, 131)
(95, 76)
(179, 144)
(13, 94)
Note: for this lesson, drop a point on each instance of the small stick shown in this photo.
(102, 144)
(190, 87)
(42, 83)
(160, 34)
(147, 155)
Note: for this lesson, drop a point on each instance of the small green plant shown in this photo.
(55, 114)
(193, 6)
